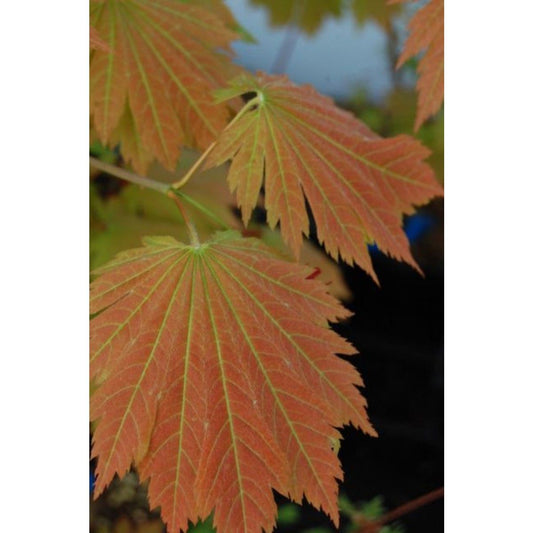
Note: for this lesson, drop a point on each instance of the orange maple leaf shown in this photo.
(303, 147)
(427, 33)
(96, 42)
(216, 374)
(152, 91)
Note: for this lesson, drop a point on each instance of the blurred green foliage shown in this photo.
(120, 220)
(378, 11)
(309, 15)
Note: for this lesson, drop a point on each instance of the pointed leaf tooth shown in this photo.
(211, 382)
(165, 58)
(358, 185)
(427, 35)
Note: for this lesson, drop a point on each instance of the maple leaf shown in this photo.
(307, 16)
(214, 372)
(426, 33)
(152, 90)
(96, 42)
(357, 184)
(325, 269)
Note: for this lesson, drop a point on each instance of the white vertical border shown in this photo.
(44, 266)
(489, 206)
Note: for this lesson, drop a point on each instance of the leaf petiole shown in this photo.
(254, 102)
(202, 208)
(193, 234)
(165, 188)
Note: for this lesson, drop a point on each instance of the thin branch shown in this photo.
(409, 507)
(402, 510)
(180, 183)
(164, 188)
(289, 41)
(129, 176)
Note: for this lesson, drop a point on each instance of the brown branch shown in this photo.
(374, 525)
(129, 176)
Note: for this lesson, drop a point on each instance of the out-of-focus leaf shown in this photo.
(202, 527)
(378, 11)
(288, 514)
(307, 15)
(127, 525)
(426, 34)
(363, 514)
(327, 270)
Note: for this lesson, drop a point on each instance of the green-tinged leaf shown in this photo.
(216, 375)
(202, 527)
(364, 516)
(307, 15)
(378, 11)
(304, 148)
(152, 90)
(288, 514)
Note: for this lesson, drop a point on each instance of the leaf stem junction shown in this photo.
(254, 102)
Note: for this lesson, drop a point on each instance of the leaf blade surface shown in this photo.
(304, 148)
(229, 383)
(164, 60)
